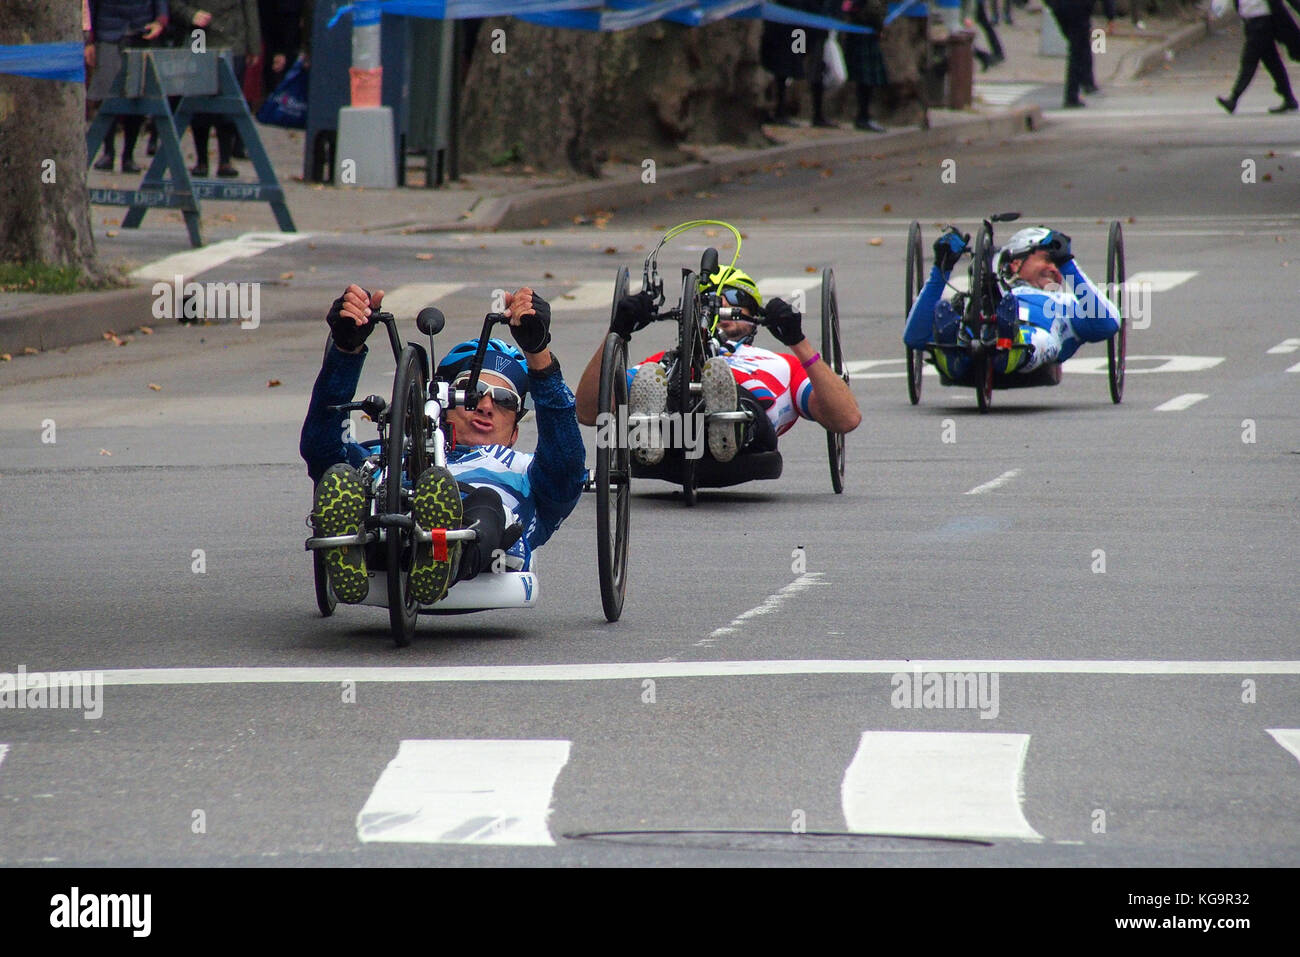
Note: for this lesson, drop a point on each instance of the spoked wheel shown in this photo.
(613, 478)
(1117, 345)
(325, 599)
(620, 290)
(983, 305)
(690, 369)
(833, 354)
(407, 454)
(984, 380)
(914, 280)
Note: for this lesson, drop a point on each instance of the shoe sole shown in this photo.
(340, 508)
(649, 396)
(435, 503)
(720, 396)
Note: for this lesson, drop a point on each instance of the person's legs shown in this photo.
(484, 506)
(1273, 63)
(200, 129)
(1251, 49)
(339, 508)
(1067, 21)
(864, 121)
(982, 19)
(105, 161)
(760, 435)
(435, 504)
(130, 133)
(225, 148)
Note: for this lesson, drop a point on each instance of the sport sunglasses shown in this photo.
(738, 297)
(506, 398)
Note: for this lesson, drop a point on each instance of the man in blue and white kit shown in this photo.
(519, 499)
(1051, 307)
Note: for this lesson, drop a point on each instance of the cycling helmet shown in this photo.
(1026, 241)
(501, 358)
(741, 287)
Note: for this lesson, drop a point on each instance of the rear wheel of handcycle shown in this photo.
(914, 280)
(983, 305)
(984, 380)
(690, 369)
(833, 354)
(613, 477)
(1117, 345)
(406, 453)
(325, 599)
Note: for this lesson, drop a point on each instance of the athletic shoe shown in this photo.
(1286, 106)
(649, 396)
(1229, 103)
(435, 504)
(340, 508)
(720, 396)
(105, 163)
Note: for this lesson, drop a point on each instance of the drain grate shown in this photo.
(813, 842)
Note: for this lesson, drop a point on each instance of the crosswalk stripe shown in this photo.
(465, 792)
(190, 264)
(937, 784)
(1180, 402)
(1002, 94)
(1285, 346)
(1289, 738)
(1294, 368)
(4, 749)
(588, 295)
(408, 299)
(1159, 281)
(788, 286)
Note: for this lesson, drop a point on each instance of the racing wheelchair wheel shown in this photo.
(914, 280)
(690, 371)
(833, 355)
(983, 306)
(407, 452)
(1117, 345)
(325, 599)
(613, 477)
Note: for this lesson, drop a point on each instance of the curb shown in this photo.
(76, 320)
(529, 210)
(1152, 58)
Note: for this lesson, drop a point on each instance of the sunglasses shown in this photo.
(738, 297)
(502, 397)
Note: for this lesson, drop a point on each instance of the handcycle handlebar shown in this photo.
(471, 396)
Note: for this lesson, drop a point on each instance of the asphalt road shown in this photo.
(1102, 743)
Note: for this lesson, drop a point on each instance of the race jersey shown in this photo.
(540, 489)
(778, 381)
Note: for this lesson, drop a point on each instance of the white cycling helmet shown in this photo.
(1026, 241)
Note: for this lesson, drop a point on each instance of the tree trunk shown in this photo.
(44, 204)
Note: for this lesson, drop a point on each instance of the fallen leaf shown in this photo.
(611, 251)
(146, 331)
(548, 275)
(155, 386)
(272, 383)
(110, 233)
(105, 452)
(530, 242)
(875, 241)
(29, 351)
(887, 208)
(286, 275)
(825, 174)
(809, 268)
(424, 257)
(110, 334)
(5, 357)
(227, 218)
(1132, 219)
(1267, 177)
(544, 222)
(544, 242)
(710, 233)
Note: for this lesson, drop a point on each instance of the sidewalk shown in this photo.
(523, 199)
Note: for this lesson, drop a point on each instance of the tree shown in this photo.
(44, 204)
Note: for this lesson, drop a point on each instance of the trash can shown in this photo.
(961, 69)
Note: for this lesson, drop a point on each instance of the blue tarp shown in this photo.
(45, 61)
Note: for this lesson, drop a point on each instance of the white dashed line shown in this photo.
(1283, 347)
(1289, 738)
(1294, 368)
(1159, 281)
(1180, 402)
(1001, 480)
(770, 604)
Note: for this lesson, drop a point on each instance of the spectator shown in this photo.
(1266, 23)
(1075, 20)
(115, 25)
(862, 56)
(778, 56)
(995, 54)
(281, 22)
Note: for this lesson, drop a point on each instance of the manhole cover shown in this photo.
(823, 842)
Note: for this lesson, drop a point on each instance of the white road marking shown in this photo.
(786, 287)
(1097, 365)
(1283, 347)
(4, 749)
(190, 264)
(588, 295)
(1289, 738)
(770, 604)
(1159, 281)
(998, 482)
(465, 792)
(1003, 94)
(1180, 402)
(937, 784)
(1294, 368)
(632, 670)
(408, 299)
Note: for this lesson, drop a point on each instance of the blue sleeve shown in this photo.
(559, 464)
(920, 321)
(1096, 319)
(321, 442)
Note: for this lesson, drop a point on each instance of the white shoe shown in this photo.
(649, 396)
(720, 396)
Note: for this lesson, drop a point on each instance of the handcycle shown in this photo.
(697, 315)
(978, 306)
(411, 438)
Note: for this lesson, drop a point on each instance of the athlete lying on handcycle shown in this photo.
(518, 499)
(778, 388)
(1051, 309)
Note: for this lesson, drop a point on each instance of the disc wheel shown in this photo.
(407, 455)
(1117, 345)
(325, 599)
(833, 354)
(613, 475)
(690, 369)
(914, 280)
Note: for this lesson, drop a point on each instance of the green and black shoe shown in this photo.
(340, 509)
(435, 504)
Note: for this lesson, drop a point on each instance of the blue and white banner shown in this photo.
(45, 61)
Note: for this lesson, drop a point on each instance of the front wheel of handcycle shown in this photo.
(984, 380)
(325, 599)
(407, 454)
(914, 279)
(833, 356)
(613, 478)
(690, 370)
(1116, 345)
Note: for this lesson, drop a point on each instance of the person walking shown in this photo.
(863, 59)
(1266, 23)
(1074, 17)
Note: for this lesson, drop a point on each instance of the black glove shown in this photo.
(633, 314)
(948, 249)
(347, 334)
(784, 322)
(1058, 248)
(534, 330)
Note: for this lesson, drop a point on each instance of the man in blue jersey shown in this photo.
(1051, 307)
(519, 499)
